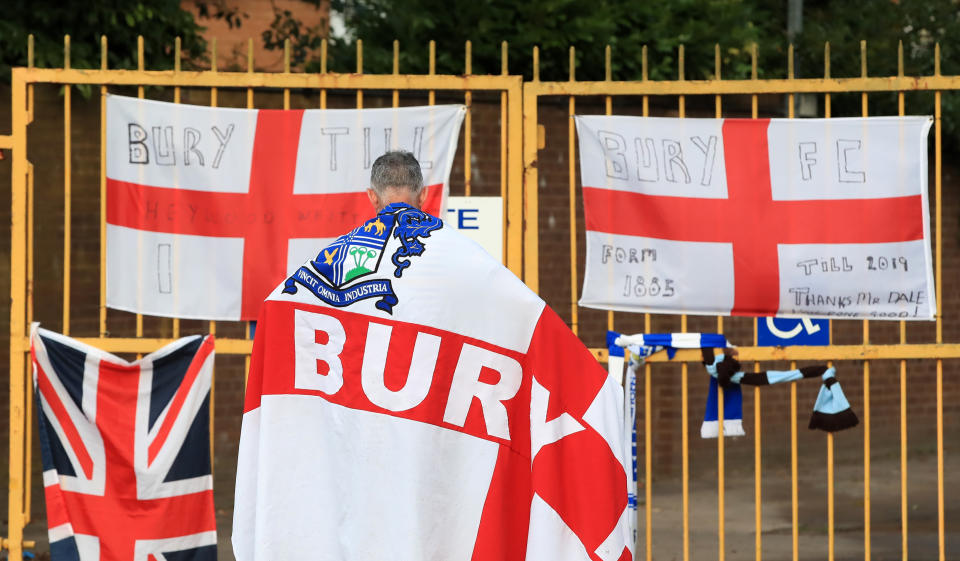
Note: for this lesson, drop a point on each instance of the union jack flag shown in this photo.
(126, 450)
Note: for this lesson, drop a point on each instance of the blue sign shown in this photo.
(782, 332)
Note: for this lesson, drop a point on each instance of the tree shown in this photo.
(158, 21)
(919, 25)
(552, 25)
(662, 26)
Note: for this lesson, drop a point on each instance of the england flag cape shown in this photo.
(409, 398)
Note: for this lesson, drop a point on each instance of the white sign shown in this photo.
(480, 219)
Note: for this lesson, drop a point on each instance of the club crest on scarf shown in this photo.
(336, 274)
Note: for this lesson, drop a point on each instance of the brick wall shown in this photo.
(232, 43)
(46, 152)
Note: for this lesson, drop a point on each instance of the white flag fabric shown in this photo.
(759, 217)
(209, 208)
(409, 398)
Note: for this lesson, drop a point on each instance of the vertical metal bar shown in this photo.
(30, 51)
(607, 77)
(721, 482)
(140, 96)
(794, 484)
(530, 226)
(514, 169)
(250, 105)
(938, 191)
(757, 433)
(432, 69)
(831, 538)
(396, 70)
(903, 374)
(27, 371)
(866, 369)
(286, 70)
(608, 110)
(717, 73)
(468, 121)
(572, 192)
(826, 97)
(903, 445)
(212, 325)
(103, 192)
(685, 450)
(648, 443)
(67, 189)
(175, 323)
(30, 200)
(359, 71)
(794, 491)
(250, 71)
(504, 71)
(648, 449)
(644, 76)
(18, 211)
(323, 70)
(140, 63)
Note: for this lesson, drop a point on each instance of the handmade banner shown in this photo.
(126, 450)
(786, 217)
(209, 208)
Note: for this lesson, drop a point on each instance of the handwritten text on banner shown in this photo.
(787, 217)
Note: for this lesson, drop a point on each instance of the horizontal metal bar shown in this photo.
(833, 352)
(776, 86)
(5, 543)
(145, 345)
(329, 80)
(6, 141)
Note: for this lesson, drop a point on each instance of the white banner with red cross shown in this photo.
(208, 209)
(757, 217)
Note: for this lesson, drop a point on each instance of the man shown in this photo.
(410, 399)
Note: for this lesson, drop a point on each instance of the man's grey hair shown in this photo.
(397, 169)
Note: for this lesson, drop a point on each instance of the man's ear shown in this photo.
(374, 199)
(422, 198)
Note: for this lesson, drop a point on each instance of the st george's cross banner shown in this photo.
(209, 208)
(126, 450)
(757, 217)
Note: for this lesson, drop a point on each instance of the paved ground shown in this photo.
(777, 540)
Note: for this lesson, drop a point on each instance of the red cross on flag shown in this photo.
(208, 209)
(761, 217)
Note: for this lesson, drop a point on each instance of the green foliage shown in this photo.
(663, 27)
(553, 26)
(159, 21)
(304, 40)
(919, 24)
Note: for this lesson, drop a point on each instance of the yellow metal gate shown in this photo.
(531, 189)
(550, 174)
(126, 333)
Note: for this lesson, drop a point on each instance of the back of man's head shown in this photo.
(396, 177)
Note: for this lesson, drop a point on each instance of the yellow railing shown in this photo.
(522, 135)
(638, 93)
(23, 198)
